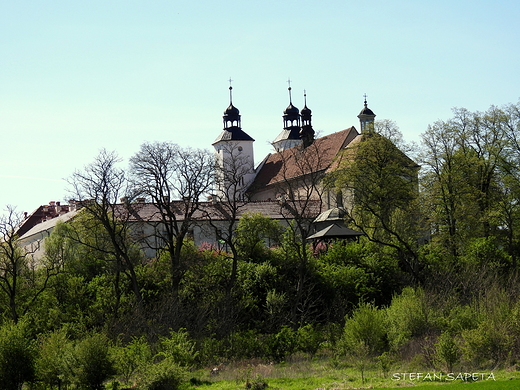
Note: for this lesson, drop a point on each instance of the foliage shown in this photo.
(309, 339)
(92, 364)
(366, 330)
(164, 375)
(179, 348)
(408, 316)
(17, 355)
(254, 233)
(447, 351)
(55, 358)
(131, 357)
(282, 344)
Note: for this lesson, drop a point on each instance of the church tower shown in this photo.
(290, 135)
(366, 118)
(306, 132)
(234, 156)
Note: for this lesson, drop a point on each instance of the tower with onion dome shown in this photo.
(306, 132)
(234, 157)
(366, 118)
(290, 135)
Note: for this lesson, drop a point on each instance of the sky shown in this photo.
(76, 77)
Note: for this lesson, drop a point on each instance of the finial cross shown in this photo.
(290, 96)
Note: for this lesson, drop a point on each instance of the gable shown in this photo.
(296, 162)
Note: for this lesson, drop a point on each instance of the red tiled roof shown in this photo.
(148, 212)
(286, 165)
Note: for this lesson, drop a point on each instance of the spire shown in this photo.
(291, 115)
(366, 117)
(231, 92)
(232, 114)
(306, 132)
(290, 135)
(232, 123)
(290, 95)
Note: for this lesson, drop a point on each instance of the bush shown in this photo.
(54, 360)
(282, 344)
(164, 375)
(130, 358)
(408, 316)
(17, 356)
(309, 339)
(246, 345)
(367, 327)
(178, 348)
(447, 351)
(487, 345)
(93, 364)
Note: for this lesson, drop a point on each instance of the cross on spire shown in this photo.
(365, 96)
(230, 93)
(290, 96)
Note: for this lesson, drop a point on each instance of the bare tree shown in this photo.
(163, 171)
(300, 191)
(233, 174)
(21, 279)
(98, 189)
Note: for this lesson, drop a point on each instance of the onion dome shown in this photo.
(232, 113)
(305, 112)
(366, 110)
(366, 118)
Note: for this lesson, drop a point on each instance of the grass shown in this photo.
(305, 374)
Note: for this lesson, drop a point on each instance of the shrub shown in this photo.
(447, 351)
(245, 345)
(309, 339)
(17, 356)
(128, 359)
(93, 363)
(487, 345)
(408, 316)
(54, 360)
(178, 348)
(164, 375)
(367, 327)
(282, 344)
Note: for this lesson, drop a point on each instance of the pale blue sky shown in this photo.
(79, 76)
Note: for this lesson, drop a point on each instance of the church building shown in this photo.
(299, 160)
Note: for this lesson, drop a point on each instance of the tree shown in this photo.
(21, 279)
(252, 232)
(98, 188)
(54, 360)
(163, 172)
(381, 188)
(232, 170)
(93, 364)
(300, 188)
(470, 176)
(17, 356)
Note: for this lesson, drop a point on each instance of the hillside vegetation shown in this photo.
(433, 285)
